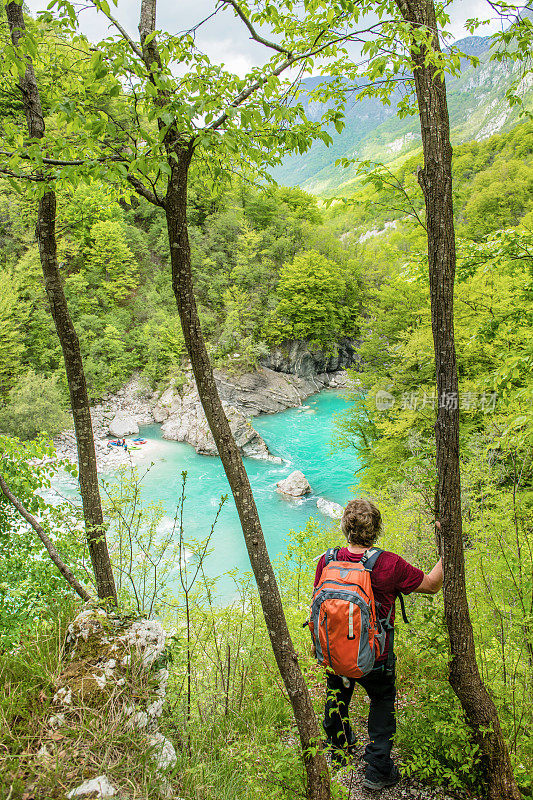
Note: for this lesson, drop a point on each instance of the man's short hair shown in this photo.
(361, 522)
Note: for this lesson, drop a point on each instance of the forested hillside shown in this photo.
(477, 106)
(267, 267)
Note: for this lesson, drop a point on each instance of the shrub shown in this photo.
(34, 406)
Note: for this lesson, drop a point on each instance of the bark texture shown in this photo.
(180, 151)
(48, 543)
(436, 182)
(46, 238)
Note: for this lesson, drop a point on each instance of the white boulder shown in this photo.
(123, 425)
(98, 787)
(295, 485)
(329, 508)
(164, 752)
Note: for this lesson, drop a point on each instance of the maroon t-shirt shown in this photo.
(391, 574)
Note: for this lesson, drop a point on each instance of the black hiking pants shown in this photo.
(380, 686)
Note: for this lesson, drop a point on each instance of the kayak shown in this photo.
(114, 443)
(140, 441)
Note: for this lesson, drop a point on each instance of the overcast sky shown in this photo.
(224, 38)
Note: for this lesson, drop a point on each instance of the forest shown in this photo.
(143, 237)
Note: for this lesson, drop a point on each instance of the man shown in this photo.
(391, 574)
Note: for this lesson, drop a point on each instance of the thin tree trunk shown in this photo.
(179, 153)
(48, 543)
(436, 181)
(46, 237)
(175, 206)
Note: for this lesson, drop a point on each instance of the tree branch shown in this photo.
(141, 189)
(240, 13)
(127, 38)
(58, 162)
(289, 61)
(245, 94)
(52, 551)
(36, 177)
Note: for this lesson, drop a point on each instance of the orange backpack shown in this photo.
(347, 634)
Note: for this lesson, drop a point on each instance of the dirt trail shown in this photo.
(408, 788)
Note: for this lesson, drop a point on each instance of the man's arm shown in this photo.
(432, 582)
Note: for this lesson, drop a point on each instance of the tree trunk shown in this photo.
(46, 237)
(52, 550)
(436, 181)
(176, 212)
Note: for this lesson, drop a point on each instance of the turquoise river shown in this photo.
(301, 436)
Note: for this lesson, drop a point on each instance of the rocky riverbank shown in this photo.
(182, 417)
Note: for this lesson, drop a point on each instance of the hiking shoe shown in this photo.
(375, 784)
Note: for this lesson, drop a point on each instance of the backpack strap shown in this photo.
(331, 555)
(402, 603)
(370, 557)
(387, 625)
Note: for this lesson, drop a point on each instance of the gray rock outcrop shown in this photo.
(243, 396)
(329, 508)
(298, 357)
(102, 647)
(295, 485)
(186, 422)
(122, 425)
(268, 391)
(99, 788)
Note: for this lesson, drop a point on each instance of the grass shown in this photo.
(240, 747)
(42, 762)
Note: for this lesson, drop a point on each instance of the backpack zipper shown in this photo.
(325, 623)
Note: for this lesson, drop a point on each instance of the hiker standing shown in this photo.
(352, 623)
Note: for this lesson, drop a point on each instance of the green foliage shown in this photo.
(317, 300)
(499, 197)
(34, 406)
(110, 266)
(493, 316)
(391, 426)
(433, 736)
(30, 583)
(39, 338)
(143, 552)
(114, 264)
(109, 360)
(11, 348)
(163, 346)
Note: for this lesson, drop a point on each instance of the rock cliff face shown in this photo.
(265, 391)
(186, 422)
(268, 391)
(299, 358)
(242, 396)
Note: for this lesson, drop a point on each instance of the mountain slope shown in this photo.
(477, 107)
